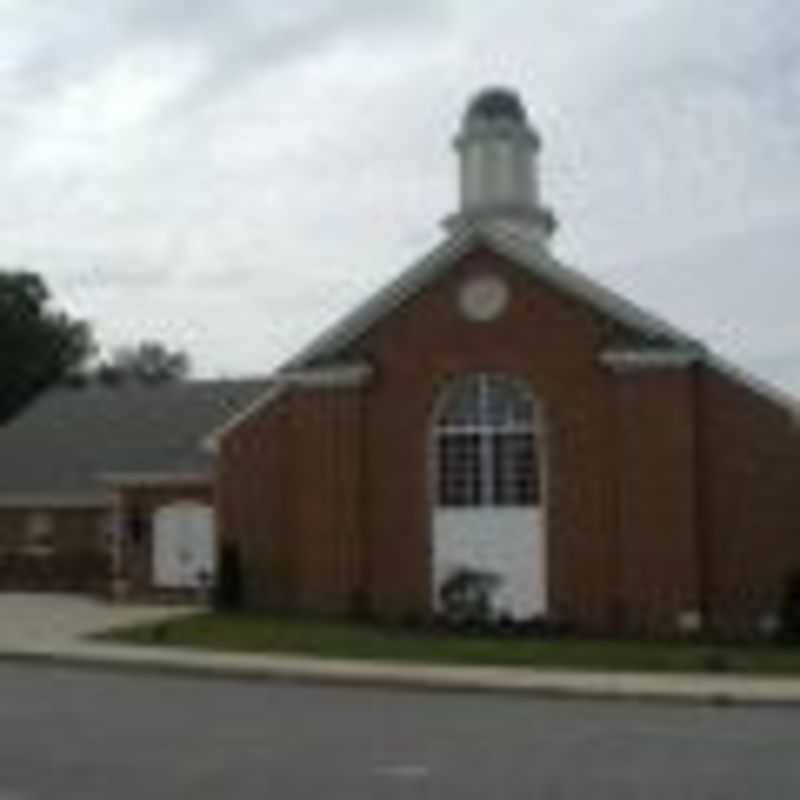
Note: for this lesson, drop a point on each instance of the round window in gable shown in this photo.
(483, 298)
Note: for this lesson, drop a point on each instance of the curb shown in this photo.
(695, 689)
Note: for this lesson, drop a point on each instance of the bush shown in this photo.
(542, 627)
(505, 624)
(227, 594)
(466, 598)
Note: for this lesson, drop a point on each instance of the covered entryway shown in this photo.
(183, 546)
(488, 516)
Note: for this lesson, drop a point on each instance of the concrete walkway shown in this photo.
(551, 683)
(29, 619)
(52, 629)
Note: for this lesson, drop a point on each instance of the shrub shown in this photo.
(227, 594)
(466, 598)
(543, 627)
(505, 624)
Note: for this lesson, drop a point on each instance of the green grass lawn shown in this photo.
(328, 639)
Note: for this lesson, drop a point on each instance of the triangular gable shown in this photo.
(528, 255)
(324, 352)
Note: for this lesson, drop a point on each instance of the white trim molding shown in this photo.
(337, 376)
(334, 376)
(275, 391)
(624, 361)
(637, 360)
(522, 251)
(759, 386)
(127, 479)
(679, 349)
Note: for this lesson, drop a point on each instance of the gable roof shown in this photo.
(70, 438)
(327, 349)
(528, 254)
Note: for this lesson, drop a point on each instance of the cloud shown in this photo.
(235, 175)
(737, 293)
(276, 41)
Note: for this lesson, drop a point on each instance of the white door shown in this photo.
(488, 515)
(506, 543)
(183, 546)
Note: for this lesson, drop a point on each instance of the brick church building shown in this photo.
(492, 409)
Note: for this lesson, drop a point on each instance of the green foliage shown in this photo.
(148, 362)
(466, 597)
(39, 346)
(327, 638)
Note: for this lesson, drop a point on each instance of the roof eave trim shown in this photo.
(212, 442)
(126, 479)
(530, 254)
(581, 286)
(336, 376)
(623, 361)
(764, 389)
(386, 299)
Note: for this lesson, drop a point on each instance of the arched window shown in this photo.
(485, 442)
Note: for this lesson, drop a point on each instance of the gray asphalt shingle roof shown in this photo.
(71, 435)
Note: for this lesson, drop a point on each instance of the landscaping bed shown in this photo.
(254, 633)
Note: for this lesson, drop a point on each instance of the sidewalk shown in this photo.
(700, 688)
(35, 617)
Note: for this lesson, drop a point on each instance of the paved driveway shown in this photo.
(39, 620)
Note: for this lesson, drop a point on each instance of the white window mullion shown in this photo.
(468, 459)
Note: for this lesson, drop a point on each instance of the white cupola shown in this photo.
(499, 178)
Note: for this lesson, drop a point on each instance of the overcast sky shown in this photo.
(231, 176)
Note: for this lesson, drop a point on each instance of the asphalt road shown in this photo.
(68, 733)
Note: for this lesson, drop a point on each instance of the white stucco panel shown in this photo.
(183, 545)
(509, 543)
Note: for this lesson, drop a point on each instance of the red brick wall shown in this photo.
(325, 522)
(544, 337)
(340, 533)
(289, 494)
(252, 504)
(662, 486)
(78, 559)
(656, 558)
(750, 466)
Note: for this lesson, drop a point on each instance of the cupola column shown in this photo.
(498, 152)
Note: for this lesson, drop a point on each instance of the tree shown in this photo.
(147, 362)
(39, 345)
